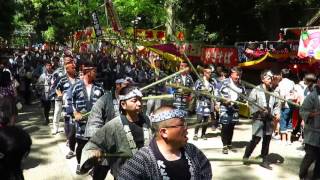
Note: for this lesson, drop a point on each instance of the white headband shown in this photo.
(131, 94)
(268, 74)
(175, 113)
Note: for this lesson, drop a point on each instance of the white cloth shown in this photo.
(56, 115)
(235, 91)
(88, 89)
(285, 86)
(184, 79)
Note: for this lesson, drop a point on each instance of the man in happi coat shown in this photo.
(64, 89)
(120, 138)
(181, 98)
(84, 94)
(101, 113)
(230, 89)
(168, 156)
(204, 103)
(262, 118)
(310, 113)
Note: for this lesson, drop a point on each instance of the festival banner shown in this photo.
(114, 19)
(220, 55)
(253, 51)
(309, 45)
(150, 34)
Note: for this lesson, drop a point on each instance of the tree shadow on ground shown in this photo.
(30, 120)
(212, 135)
(31, 162)
(232, 173)
(274, 158)
(239, 144)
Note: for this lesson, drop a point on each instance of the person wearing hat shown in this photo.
(121, 137)
(262, 118)
(169, 155)
(229, 112)
(84, 94)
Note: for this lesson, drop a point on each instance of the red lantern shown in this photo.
(78, 35)
(88, 32)
(160, 35)
(149, 34)
(180, 36)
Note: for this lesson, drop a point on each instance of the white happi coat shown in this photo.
(261, 126)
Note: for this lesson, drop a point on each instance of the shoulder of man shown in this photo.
(113, 123)
(78, 86)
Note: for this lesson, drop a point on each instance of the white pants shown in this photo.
(56, 115)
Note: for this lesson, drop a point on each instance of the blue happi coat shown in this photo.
(83, 104)
(204, 102)
(229, 113)
(181, 98)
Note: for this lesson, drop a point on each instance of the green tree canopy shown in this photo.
(7, 12)
(242, 20)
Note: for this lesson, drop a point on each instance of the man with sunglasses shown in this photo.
(168, 155)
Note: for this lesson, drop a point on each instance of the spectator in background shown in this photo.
(285, 89)
(44, 86)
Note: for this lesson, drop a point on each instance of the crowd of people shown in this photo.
(108, 127)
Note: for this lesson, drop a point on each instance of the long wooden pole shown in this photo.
(270, 93)
(163, 79)
(165, 96)
(204, 93)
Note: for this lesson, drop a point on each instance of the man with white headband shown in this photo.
(168, 155)
(121, 137)
(262, 118)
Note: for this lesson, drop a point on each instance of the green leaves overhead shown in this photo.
(7, 11)
(211, 21)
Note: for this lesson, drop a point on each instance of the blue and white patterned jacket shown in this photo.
(204, 102)
(65, 86)
(180, 98)
(230, 113)
(81, 103)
